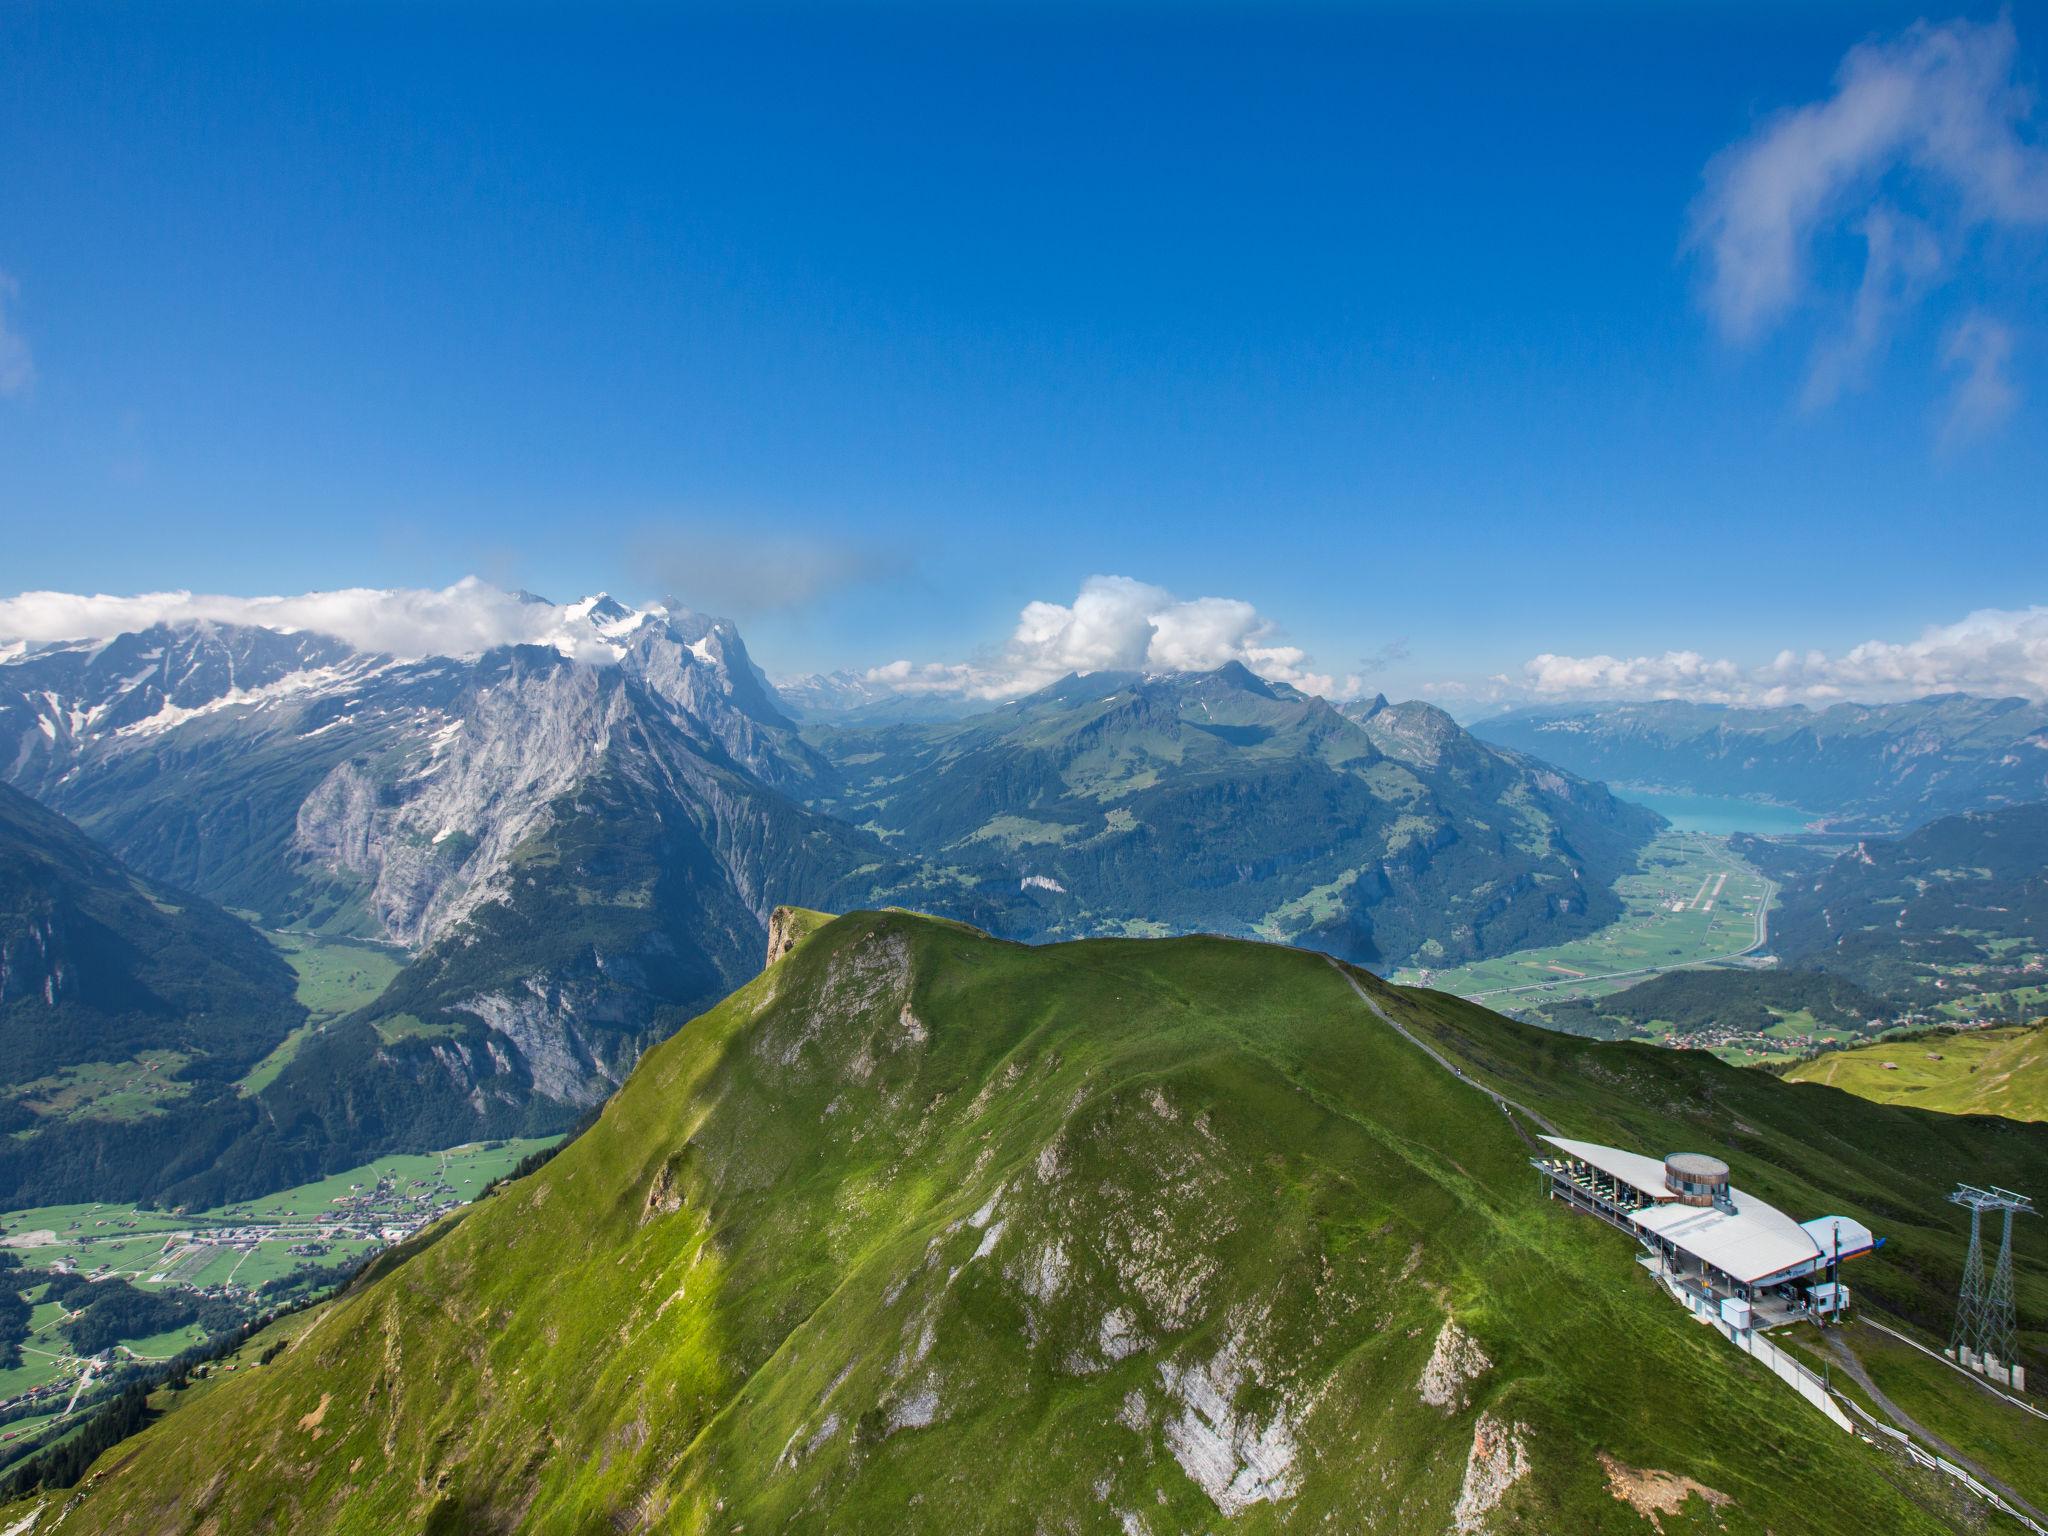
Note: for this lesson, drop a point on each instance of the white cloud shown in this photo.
(1985, 395)
(1118, 624)
(1993, 651)
(1901, 257)
(17, 365)
(463, 620)
(1934, 114)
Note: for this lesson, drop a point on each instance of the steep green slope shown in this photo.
(1802, 1146)
(921, 1231)
(1219, 802)
(127, 1012)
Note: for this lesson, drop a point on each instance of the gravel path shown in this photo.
(1846, 1358)
(1502, 1100)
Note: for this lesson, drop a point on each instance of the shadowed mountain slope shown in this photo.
(127, 1012)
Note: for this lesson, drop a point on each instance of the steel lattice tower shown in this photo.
(2000, 1327)
(1985, 1323)
(1970, 1300)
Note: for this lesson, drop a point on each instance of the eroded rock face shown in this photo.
(784, 929)
(1238, 1460)
(551, 1028)
(433, 837)
(1499, 1460)
(1455, 1363)
(1653, 1494)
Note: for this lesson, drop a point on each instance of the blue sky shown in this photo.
(873, 326)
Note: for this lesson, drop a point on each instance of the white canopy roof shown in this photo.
(1751, 1242)
(1632, 1168)
(1843, 1234)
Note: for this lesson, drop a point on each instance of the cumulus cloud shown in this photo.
(1116, 623)
(1935, 115)
(470, 617)
(17, 364)
(1993, 651)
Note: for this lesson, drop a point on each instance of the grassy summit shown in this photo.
(923, 1231)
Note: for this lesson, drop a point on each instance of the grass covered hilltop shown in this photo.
(922, 1231)
(1981, 1072)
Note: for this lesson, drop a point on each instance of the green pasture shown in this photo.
(1977, 1072)
(1689, 902)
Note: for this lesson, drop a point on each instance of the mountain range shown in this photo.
(1857, 767)
(577, 842)
(1219, 801)
(1956, 907)
(924, 1231)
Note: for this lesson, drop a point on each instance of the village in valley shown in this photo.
(168, 1281)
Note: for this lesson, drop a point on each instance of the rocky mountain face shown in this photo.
(1876, 767)
(580, 842)
(924, 1232)
(1221, 802)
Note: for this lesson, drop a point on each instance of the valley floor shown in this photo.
(252, 1254)
(1690, 903)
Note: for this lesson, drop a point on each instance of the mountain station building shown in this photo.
(1719, 1249)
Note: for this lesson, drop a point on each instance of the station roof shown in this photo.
(1632, 1168)
(1852, 1236)
(1751, 1242)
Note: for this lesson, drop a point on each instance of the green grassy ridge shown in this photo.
(1978, 1072)
(843, 1188)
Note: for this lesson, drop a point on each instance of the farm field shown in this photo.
(1978, 1072)
(1689, 902)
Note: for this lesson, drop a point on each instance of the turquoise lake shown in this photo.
(1710, 813)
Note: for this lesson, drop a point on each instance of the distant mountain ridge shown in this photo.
(1219, 801)
(1875, 767)
(579, 840)
(1957, 906)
